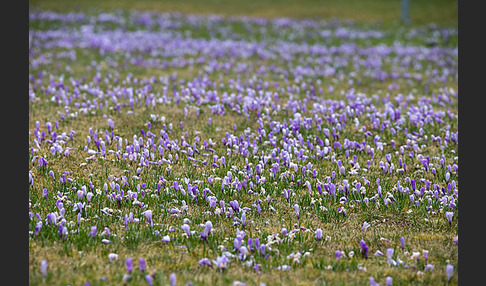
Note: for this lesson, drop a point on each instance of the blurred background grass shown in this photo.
(386, 12)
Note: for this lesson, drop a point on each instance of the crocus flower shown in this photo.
(455, 239)
(296, 209)
(338, 254)
(425, 253)
(207, 230)
(149, 279)
(148, 215)
(186, 228)
(449, 217)
(284, 231)
(112, 256)
(129, 264)
(141, 264)
(365, 226)
(165, 238)
(205, 261)
(416, 255)
(364, 248)
(43, 265)
(319, 234)
(402, 242)
(389, 281)
(221, 262)
(173, 279)
(389, 254)
(429, 267)
(449, 271)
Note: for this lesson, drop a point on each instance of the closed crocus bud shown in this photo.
(425, 253)
(149, 279)
(173, 279)
(141, 264)
(296, 209)
(43, 266)
(449, 271)
(389, 281)
(449, 217)
(364, 248)
(93, 231)
(338, 254)
(187, 229)
(129, 264)
(319, 234)
(284, 231)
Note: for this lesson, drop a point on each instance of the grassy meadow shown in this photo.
(243, 143)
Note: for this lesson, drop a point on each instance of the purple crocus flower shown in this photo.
(402, 242)
(389, 281)
(129, 264)
(173, 279)
(338, 254)
(296, 209)
(284, 231)
(262, 250)
(186, 228)
(389, 254)
(43, 266)
(449, 217)
(206, 262)
(455, 239)
(221, 262)
(319, 234)
(425, 253)
(364, 248)
(141, 264)
(148, 215)
(207, 230)
(149, 279)
(449, 271)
